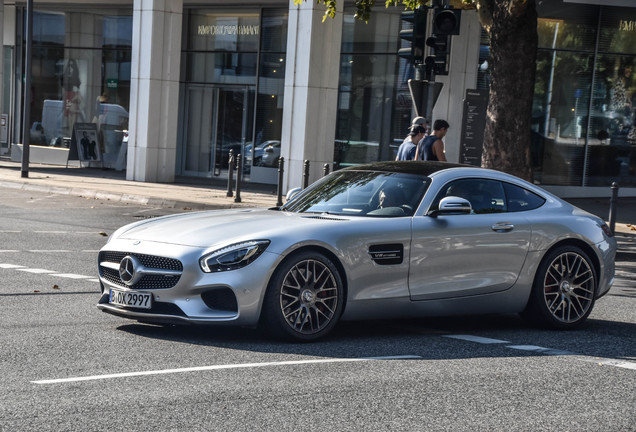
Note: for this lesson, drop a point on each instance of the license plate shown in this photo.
(130, 299)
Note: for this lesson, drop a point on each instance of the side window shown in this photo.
(520, 199)
(485, 196)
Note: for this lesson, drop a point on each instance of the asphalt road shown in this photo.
(67, 366)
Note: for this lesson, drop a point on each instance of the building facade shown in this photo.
(168, 88)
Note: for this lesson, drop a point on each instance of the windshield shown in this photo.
(362, 193)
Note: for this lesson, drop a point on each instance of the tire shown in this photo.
(564, 290)
(304, 298)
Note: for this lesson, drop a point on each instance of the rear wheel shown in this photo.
(304, 299)
(564, 289)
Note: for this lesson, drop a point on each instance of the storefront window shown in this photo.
(262, 155)
(233, 70)
(374, 103)
(80, 78)
(583, 114)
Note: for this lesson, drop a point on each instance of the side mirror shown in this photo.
(452, 205)
(292, 193)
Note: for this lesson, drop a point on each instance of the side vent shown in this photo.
(387, 254)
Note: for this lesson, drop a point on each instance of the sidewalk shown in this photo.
(185, 193)
(200, 194)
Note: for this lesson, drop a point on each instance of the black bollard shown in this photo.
(239, 171)
(281, 169)
(612, 210)
(305, 174)
(230, 173)
(325, 170)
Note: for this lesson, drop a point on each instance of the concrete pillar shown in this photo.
(154, 90)
(311, 90)
(464, 61)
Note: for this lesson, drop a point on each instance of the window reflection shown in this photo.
(81, 80)
(374, 103)
(583, 109)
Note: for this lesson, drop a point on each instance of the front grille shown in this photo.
(150, 261)
(148, 281)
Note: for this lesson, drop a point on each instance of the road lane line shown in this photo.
(221, 367)
(541, 350)
(10, 266)
(72, 276)
(477, 339)
(589, 359)
(35, 270)
(49, 250)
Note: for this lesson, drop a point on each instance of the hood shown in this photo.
(207, 228)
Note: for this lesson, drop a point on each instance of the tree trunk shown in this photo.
(513, 51)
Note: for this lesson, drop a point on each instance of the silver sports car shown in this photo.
(384, 240)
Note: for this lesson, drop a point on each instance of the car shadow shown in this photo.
(426, 338)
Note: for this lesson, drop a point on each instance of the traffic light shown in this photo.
(446, 21)
(415, 33)
(437, 62)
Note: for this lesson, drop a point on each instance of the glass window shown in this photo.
(265, 150)
(560, 112)
(520, 199)
(362, 193)
(81, 79)
(618, 31)
(274, 38)
(485, 196)
(221, 67)
(583, 118)
(567, 26)
(612, 135)
(222, 30)
(374, 103)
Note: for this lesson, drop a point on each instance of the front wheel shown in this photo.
(564, 289)
(304, 299)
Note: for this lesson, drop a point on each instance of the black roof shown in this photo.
(409, 167)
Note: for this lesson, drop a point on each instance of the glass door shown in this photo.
(216, 122)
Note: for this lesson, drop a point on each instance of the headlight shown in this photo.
(233, 257)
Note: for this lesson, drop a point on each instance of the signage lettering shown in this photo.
(222, 30)
(624, 25)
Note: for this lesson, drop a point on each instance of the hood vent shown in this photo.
(387, 254)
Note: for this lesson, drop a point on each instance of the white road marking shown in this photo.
(36, 270)
(51, 232)
(616, 363)
(220, 367)
(8, 250)
(541, 350)
(477, 339)
(589, 359)
(71, 276)
(48, 272)
(546, 351)
(10, 231)
(49, 251)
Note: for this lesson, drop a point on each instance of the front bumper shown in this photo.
(228, 297)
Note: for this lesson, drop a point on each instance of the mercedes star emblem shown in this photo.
(127, 268)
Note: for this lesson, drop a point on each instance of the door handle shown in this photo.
(503, 227)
